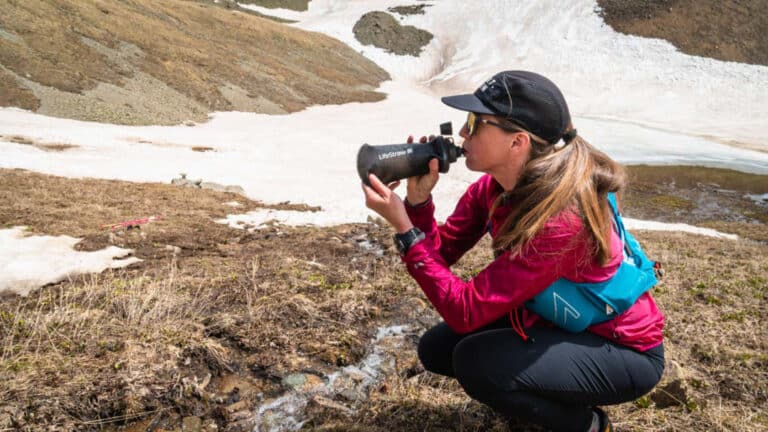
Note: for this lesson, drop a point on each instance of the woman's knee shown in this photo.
(647, 381)
(647, 372)
(435, 349)
(474, 371)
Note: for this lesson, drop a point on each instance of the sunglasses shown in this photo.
(474, 120)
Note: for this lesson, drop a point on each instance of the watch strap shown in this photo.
(404, 241)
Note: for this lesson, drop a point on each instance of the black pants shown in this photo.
(553, 381)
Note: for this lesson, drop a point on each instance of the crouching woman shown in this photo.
(561, 321)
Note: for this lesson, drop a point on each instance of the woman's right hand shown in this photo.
(420, 187)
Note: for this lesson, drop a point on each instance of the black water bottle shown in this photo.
(398, 161)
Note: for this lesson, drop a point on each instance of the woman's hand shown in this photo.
(383, 200)
(420, 187)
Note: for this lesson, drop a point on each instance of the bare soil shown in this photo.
(128, 62)
(206, 329)
(409, 10)
(731, 30)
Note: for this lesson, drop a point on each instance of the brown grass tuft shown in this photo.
(12, 93)
(202, 149)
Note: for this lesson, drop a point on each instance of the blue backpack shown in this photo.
(574, 306)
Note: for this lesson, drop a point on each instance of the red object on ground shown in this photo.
(131, 223)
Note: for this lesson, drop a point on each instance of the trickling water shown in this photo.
(761, 200)
(286, 412)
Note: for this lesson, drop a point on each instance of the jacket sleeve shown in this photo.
(460, 232)
(504, 284)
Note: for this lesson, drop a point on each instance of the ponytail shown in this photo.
(577, 176)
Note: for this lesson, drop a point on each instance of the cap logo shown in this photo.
(487, 84)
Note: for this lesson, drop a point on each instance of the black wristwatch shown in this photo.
(404, 241)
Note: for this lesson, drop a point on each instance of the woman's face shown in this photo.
(489, 149)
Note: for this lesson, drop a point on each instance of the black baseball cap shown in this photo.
(526, 98)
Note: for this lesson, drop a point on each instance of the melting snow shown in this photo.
(28, 262)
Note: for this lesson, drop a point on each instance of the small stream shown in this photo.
(350, 382)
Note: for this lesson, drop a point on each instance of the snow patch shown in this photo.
(637, 224)
(29, 262)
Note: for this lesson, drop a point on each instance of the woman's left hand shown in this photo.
(383, 200)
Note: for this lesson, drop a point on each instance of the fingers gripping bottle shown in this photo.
(398, 161)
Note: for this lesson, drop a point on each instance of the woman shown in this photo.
(548, 208)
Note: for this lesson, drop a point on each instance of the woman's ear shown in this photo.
(521, 140)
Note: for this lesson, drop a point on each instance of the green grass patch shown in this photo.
(671, 202)
(691, 176)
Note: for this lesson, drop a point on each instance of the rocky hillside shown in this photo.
(731, 30)
(149, 62)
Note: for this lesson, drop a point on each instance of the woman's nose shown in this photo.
(464, 132)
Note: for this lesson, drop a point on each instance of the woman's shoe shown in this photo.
(605, 422)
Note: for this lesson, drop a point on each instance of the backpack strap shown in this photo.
(618, 225)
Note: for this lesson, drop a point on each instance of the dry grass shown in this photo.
(709, 197)
(11, 94)
(192, 47)
(129, 342)
(684, 176)
(714, 298)
(156, 342)
(57, 147)
(202, 149)
(297, 5)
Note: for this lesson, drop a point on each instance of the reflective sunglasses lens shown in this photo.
(471, 123)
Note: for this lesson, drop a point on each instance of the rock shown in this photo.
(302, 382)
(231, 382)
(319, 403)
(241, 426)
(356, 376)
(382, 30)
(210, 426)
(235, 189)
(409, 10)
(240, 415)
(223, 188)
(349, 388)
(213, 186)
(237, 406)
(191, 424)
(353, 395)
(184, 182)
(673, 393)
(294, 381)
(175, 249)
(673, 390)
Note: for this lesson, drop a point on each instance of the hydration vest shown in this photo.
(574, 306)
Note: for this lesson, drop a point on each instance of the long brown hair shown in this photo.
(574, 176)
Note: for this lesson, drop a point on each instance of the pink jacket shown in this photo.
(557, 251)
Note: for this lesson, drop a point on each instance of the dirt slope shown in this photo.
(732, 30)
(148, 62)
